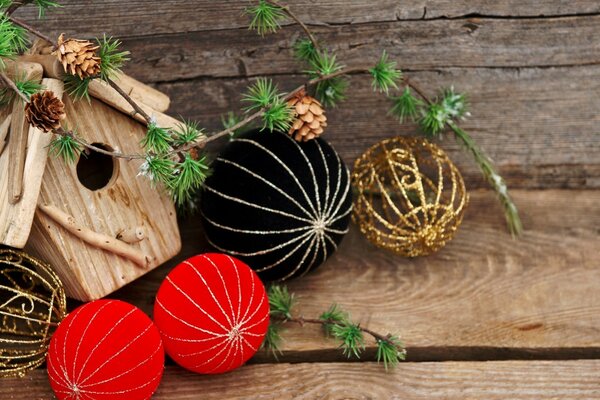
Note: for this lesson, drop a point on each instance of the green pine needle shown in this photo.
(159, 169)
(4, 4)
(494, 179)
(266, 17)
(454, 103)
(13, 40)
(352, 338)
(385, 75)
(334, 315)
(44, 5)
(438, 114)
(76, 87)
(65, 147)
(27, 87)
(331, 91)
(273, 339)
(434, 119)
(261, 94)
(157, 140)
(281, 301)
(391, 352)
(305, 50)
(406, 106)
(230, 120)
(189, 175)
(325, 63)
(278, 117)
(112, 58)
(186, 133)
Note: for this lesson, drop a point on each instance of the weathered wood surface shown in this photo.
(540, 131)
(484, 296)
(21, 165)
(532, 71)
(515, 380)
(150, 17)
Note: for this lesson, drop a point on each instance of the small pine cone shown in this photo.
(310, 117)
(78, 57)
(45, 111)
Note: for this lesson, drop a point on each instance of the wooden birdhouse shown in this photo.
(95, 220)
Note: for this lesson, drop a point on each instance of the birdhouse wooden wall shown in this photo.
(103, 197)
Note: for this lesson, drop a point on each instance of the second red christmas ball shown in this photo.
(212, 311)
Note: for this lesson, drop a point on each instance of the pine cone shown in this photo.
(78, 57)
(310, 117)
(45, 111)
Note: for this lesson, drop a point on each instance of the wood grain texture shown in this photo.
(126, 202)
(538, 125)
(483, 294)
(530, 69)
(151, 17)
(16, 218)
(415, 45)
(19, 134)
(516, 380)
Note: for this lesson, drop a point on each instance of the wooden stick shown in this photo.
(132, 235)
(143, 93)
(95, 239)
(102, 91)
(52, 67)
(19, 132)
(4, 131)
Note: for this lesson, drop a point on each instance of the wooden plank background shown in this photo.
(532, 72)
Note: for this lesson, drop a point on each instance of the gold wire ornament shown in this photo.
(32, 303)
(409, 197)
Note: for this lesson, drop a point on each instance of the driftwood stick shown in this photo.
(52, 67)
(107, 94)
(4, 132)
(132, 235)
(95, 239)
(19, 132)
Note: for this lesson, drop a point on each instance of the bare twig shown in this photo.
(417, 89)
(31, 29)
(61, 132)
(292, 15)
(16, 4)
(314, 321)
(132, 102)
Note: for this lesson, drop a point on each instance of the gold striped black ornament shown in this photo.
(281, 206)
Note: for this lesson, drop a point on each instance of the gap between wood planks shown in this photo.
(437, 354)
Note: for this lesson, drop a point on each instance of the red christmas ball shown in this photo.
(106, 349)
(212, 311)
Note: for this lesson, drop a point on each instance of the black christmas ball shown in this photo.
(281, 206)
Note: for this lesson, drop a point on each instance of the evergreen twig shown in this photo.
(335, 323)
(11, 85)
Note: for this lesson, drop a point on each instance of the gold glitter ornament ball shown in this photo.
(409, 197)
(32, 303)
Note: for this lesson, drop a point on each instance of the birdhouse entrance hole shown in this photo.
(96, 170)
